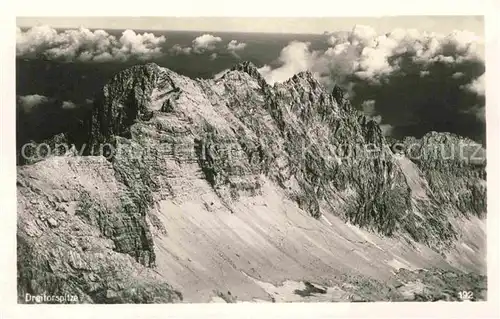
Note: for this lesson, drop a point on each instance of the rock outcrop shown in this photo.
(157, 143)
(80, 234)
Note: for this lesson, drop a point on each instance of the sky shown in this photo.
(441, 24)
(412, 75)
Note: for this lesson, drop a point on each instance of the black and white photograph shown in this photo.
(252, 160)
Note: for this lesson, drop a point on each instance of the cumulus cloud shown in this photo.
(478, 85)
(418, 81)
(40, 116)
(206, 42)
(27, 102)
(424, 73)
(294, 58)
(234, 45)
(201, 44)
(371, 56)
(85, 45)
(68, 105)
(177, 49)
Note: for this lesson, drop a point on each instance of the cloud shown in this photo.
(424, 73)
(294, 58)
(477, 86)
(68, 105)
(40, 117)
(371, 56)
(30, 103)
(27, 102)
(85, 45)
(233, 45)
(418, 81)
(206, 42)
(201, 44)
(177, 49)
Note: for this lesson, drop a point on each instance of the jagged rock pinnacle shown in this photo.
(250, 68)
(245, 66)
(303, 75)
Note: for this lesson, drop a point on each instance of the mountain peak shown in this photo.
(304, 78)
(304, 75)
(246, 66)
(249, 68)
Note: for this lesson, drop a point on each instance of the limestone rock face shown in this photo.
(80, 234)
(455, 168)
(157, 143)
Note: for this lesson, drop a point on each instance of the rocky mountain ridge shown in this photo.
(223, 146)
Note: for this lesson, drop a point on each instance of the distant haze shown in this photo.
(441, 24)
